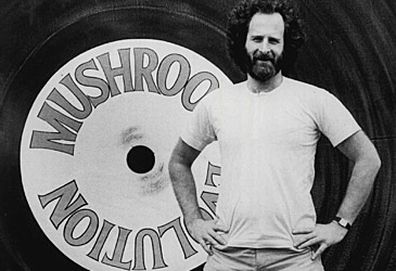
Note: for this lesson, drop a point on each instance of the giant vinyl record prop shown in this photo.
(91, 119)
(94, 95)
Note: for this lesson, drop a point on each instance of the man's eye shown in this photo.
(274, 41)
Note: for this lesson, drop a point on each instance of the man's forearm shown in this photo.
(359, 188)
(185, 190)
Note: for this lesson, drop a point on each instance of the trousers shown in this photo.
(248, 259)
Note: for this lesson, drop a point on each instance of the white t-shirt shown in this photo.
(267, 146)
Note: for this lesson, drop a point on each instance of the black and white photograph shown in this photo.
(186, 135)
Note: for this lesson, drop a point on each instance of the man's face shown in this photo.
(264, 45)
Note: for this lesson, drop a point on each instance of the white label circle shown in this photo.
(94, 155)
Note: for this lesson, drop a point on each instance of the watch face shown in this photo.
(343, 222)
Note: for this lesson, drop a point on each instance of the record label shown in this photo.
(95, 149)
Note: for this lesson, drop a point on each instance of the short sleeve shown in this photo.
(333, 119)
(199, 130)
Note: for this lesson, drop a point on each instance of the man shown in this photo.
(267, 128)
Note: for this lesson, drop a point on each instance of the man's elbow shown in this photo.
(377, 162)
(176, 165)
(374, 161)
(172, 166)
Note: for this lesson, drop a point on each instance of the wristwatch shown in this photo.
(343, 222)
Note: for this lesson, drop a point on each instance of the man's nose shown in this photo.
(264, 47)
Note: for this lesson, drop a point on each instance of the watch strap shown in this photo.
(343, 222)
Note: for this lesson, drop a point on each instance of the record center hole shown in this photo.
(140, 159)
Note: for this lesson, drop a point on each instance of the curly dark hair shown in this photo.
(238, 26)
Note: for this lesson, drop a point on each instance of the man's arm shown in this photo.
(366, 163)
(359, 149)
(204, 232)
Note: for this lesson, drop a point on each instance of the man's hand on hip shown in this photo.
(207, 233)
(322, 236)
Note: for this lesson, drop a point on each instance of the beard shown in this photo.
(263, 66)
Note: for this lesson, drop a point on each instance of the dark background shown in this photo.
(351, 51)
